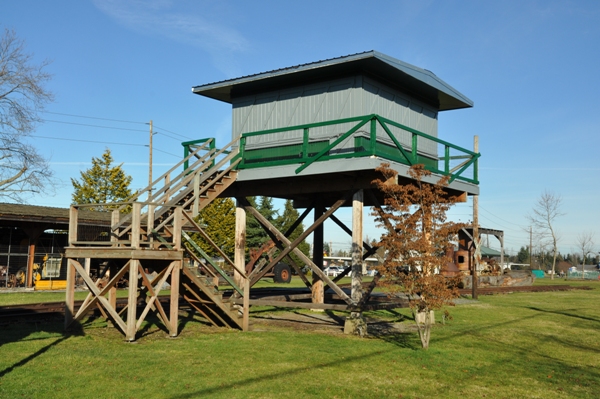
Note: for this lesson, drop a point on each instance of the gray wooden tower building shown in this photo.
(313, 133)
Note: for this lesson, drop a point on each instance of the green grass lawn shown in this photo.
(521, 345)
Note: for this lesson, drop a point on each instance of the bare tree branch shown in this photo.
(544, 213)
(585, 241)
(22, 97)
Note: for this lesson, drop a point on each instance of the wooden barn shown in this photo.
(312, 133)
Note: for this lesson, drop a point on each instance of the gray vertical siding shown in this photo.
(337, 99)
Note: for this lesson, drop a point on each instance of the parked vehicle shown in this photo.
(333, 271)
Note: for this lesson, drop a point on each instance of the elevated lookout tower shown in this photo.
(312, 133)
(323, 127)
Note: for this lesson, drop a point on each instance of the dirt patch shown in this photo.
(329, 323)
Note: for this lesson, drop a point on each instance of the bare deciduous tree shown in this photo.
(545, 211)
(22, 97)
(585, 241)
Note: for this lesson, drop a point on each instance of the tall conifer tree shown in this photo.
(101, 184)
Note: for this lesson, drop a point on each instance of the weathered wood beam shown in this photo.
(154, 295)
(132, 299)
(292, 246)
(174, 313)
(97, 293)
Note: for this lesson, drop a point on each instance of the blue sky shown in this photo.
(529, 66)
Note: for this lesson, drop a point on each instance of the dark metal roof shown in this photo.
(417, 82)
(49, 215)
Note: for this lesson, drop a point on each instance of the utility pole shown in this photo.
(150, 166)
(475, 230)
(530, 246)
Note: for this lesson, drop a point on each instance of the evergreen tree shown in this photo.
(285, 222)
(256, 235)
(218, 221)
(523, 255)
(102, 184)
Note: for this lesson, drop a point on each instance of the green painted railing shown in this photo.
(189, 146)
(458, 162)
(415, 147)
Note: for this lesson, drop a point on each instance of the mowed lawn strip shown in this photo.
(521, 345)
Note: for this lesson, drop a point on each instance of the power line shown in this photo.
(94, 117)
(177, 134)
(90, 141)
(88, 125)
(164, 152)
(498, 217)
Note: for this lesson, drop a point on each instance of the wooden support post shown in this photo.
(30, 261)
(174, 311)
(135, 225)
(357, 247)
(73, 214)
(70, 290)
(87, 265)
(240, 244)
(177, 225)
(114, 232)
(70, 295)
(355, 324)
(132, 300)
(112, 291)
(318, 295)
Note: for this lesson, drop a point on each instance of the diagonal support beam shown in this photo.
(105, 303)
(292, 246)
(154, 295)
(87, 304)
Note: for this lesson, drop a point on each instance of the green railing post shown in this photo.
(373, 140)
(305, 144)
(186, 152)
(212, 147)
(446, 159)
(242, 147)
(414, 144)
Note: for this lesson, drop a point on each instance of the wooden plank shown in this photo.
(114, 221)
(177, 223)
(318, 289)
(135, 225)
(123, 253)
(246, 306)
(174, 319)
(302, 305)
(73, 215)
(132, 298)
(357, 246)
(239, 255)
(70, 294)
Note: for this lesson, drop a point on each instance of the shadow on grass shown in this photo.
(566, 312)
(273, 376)
(406, 340)
(21, 332)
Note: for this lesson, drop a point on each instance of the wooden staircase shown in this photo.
(204, 296)
(154, 234)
